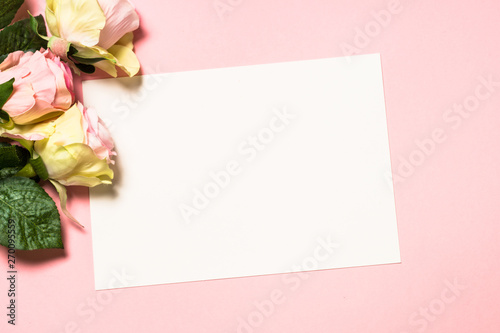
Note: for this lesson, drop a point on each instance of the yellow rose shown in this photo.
(78, 152)
(100, 30)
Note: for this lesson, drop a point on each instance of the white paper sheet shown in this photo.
(244, 171)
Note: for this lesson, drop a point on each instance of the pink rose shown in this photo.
(97, 135)
(43, 86)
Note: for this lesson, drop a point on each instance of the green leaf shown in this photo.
(4, 116)
(13, 155)
(8, 9)
(34, 24)
(33, 213)
(12, 160)
(21, 37)
(8, 172)
(6, 90)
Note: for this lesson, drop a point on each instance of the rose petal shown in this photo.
(63, 98)
(32, 132)
(11, 60)
(22, 99)
(78, 21)
(51, 18)
(107, 66)
(126, 59)
(121, 18)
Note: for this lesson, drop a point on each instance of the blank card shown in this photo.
(244, 171)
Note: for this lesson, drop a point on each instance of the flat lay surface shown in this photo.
(441, 82)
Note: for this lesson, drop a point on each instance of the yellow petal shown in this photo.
(78, 21)
(51, 19)
(126, 59)
(107, 66)
(57, 160)
(30, 132)
(74, 165)
(89, 170)
(63, 197)
(121, 54)
(68, 127)
(93, 52)
(127, 40)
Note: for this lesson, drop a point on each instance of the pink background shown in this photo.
(433, 53)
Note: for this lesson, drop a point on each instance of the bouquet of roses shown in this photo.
(46, 136)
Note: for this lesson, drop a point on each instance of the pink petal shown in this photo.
(121, 18)
(68, 75)
(31, 115)
(6, 76)
(63, 98)
(96, 134)
(105, 136)
(41, 77)
(11, 60)
(68, 78)
(22, 99)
